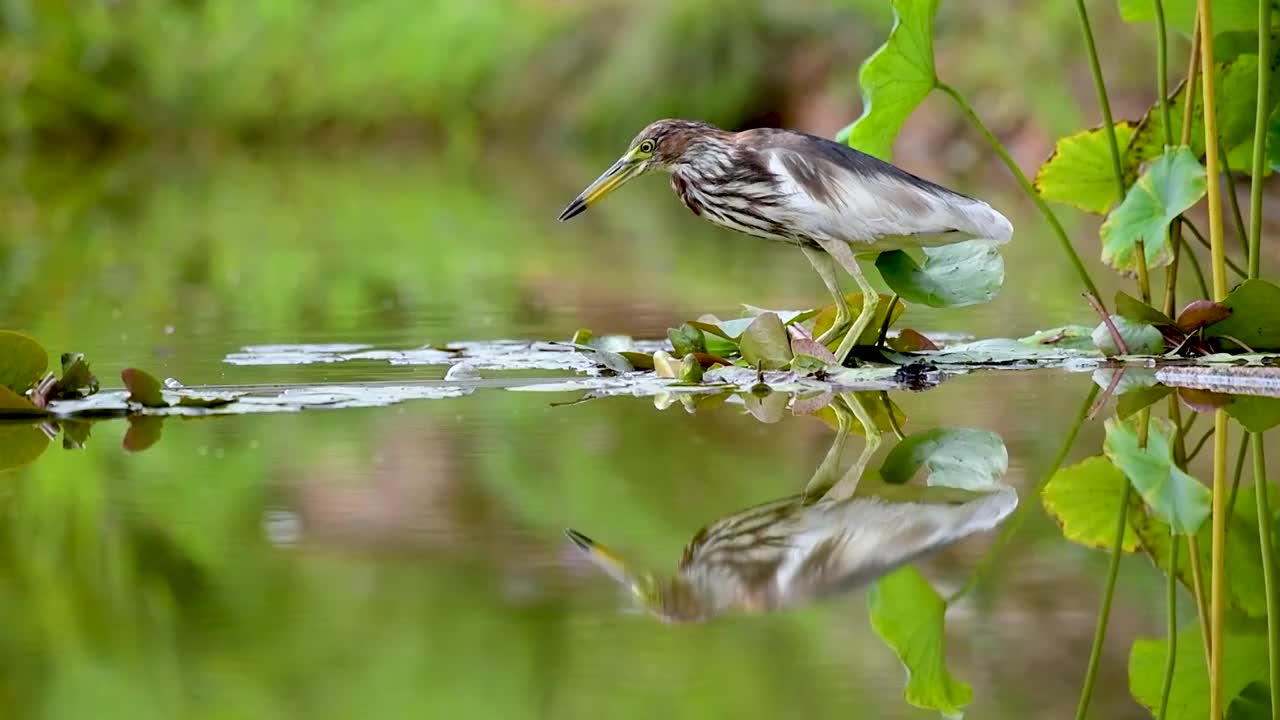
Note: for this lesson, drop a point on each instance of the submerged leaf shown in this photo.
(1080, 171)
(895, 79)
(1085, 500)
(143, 388)
(966, 273)
(910, 617)
(1255, 316)
(964, 458)
(1175, 496)
(1172, 184)
(22, 361)
(765, 343)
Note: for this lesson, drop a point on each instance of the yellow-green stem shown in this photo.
(1193, 61)
(1217, 562)
(1259, 166)
(1198, 591)
(1267, 546)
(1104, 612)
(1108, 124)
(1027, 188)
(1217, 253)
(1171, 610)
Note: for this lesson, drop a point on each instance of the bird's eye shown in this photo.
(646, 147)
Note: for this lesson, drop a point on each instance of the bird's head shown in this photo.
(660, 146)
(672, 600)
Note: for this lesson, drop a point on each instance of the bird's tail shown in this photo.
(982, 221)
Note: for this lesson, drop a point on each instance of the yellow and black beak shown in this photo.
(612, 179)
(601, 556)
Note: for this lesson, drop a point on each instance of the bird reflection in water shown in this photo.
(842, 532)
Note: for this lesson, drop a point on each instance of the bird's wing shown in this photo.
(837, 192)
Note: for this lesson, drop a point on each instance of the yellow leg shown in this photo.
(848, 484)
(827, 270)
(844, 256)
(824, 478)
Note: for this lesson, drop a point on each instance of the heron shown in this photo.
(839, 533)
(831, 200)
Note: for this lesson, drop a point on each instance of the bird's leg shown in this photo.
(848, 484)
(825, 476)
(826, 268)
(843, 254)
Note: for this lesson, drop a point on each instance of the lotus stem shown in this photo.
(1104, 612)
(1171, 605)
(1267, 547)
(1027, 188)
(1259, 165)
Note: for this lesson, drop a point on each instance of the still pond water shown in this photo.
(410, 560)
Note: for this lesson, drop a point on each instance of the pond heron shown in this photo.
(833, 201)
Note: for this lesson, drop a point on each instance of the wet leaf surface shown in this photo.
(957, 275)
(909, 616)
(1139, 338)
(894, 80)
(765, 343)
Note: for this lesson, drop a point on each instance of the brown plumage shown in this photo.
(832, 200)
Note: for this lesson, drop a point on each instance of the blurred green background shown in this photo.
(180, 178)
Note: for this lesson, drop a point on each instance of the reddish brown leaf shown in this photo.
(909, 340)
(1199, 313)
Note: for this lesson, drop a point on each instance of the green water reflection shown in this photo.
(409, 560)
